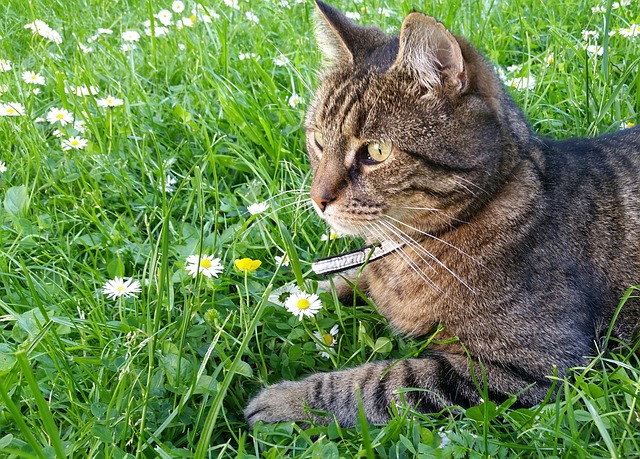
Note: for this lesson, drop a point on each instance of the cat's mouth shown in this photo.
(346, 223)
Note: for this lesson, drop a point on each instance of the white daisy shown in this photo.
(3, 167)
(355, 15)
(514, 68)
(77, 143)
(59, 115)
(302, 304)
(84, 48)
(5, 65)
(252, 17)
(126, 47)
(629, 32)
(118, 287)
(522, 83)
(30, 77)
(178, 6)
(169, 183)
(164, 16)
(11, 109)
(595, 49)
(130, 35)
(295, 100)
(281, 61)
(159, 31)
(326, 341)
(280, 295)
(79, 125)
(38, 26)
(105, 31)
(257, 208)
(232, 4)
(204, 264)
(109, 101)
(43, 29)
(587, 34)
(282, 260)
(550, 59)
(54, 36)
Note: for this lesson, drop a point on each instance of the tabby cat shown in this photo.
(520, 246)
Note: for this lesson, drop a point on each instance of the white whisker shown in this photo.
(382, 231)
(402, 253)
(422, 249)
(435, 238)
(470, 183)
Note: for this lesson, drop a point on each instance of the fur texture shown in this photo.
(519, 245)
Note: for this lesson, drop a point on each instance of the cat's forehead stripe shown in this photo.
(345, 110)
(332, 100)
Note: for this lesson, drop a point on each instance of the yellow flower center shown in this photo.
(303, 303)
(327, 338)
(74, 142)
(60, 116)
(120, 288)
(10, 111)
(205, 263)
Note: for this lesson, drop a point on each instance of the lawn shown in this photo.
(154, 213)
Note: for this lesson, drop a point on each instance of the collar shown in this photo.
(355, 258)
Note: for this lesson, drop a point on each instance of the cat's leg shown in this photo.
(440, 380)
(344, 284)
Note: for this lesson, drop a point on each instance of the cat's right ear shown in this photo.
(430, 53)
(341, 40)
(334, 33)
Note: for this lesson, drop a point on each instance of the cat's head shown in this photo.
(412, 132)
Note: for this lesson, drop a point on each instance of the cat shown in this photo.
(519, 246)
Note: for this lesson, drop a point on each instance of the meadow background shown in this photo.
(186, 140)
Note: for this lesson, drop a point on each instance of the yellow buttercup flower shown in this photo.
(247, 265)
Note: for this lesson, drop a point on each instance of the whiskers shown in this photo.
(300, 204)
(463, 182)
(418, 258)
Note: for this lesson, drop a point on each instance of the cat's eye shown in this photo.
(379, 151)
(318, 139)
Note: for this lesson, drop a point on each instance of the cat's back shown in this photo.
(599, 174)
(620, 151)
(591, 211)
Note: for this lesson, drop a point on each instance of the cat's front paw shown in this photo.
(278, 403)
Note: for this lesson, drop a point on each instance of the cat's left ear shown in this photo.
(430, 53)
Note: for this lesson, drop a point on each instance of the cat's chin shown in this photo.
(345, 229)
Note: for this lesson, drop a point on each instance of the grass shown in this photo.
(167, 374)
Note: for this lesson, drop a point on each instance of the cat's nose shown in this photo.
(322, 201)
